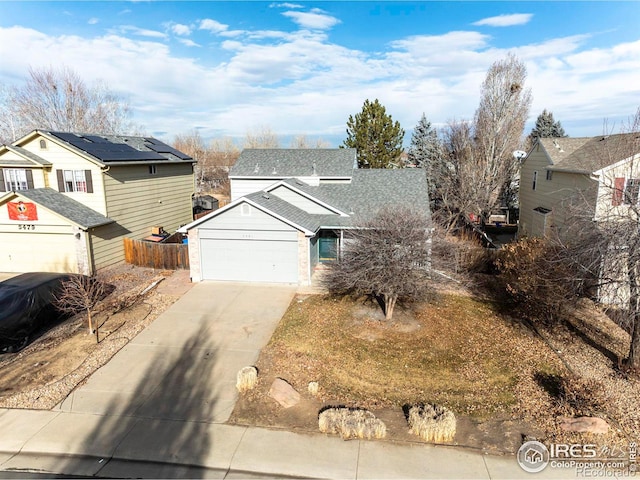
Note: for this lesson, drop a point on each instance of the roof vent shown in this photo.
(314, 169)
(257, 169)
(266, 196)
(299, 182)
(274, 172)
(557, 145)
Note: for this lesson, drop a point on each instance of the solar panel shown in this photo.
(160, 147)
(96, 139)
(107, 151)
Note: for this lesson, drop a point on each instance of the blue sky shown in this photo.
(301, 68)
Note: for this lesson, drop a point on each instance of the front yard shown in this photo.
(502, 380)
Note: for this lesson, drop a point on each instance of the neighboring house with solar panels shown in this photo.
(289, 212)
(67, 200)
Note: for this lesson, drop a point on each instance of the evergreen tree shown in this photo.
(426, 152)
(375, 136)
(547, 127)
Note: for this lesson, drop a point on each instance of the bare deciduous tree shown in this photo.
(387, 257)
(301, 141)
(261, 137)
(58, 99)
(482, 167)
(596, 250)
(82, 293)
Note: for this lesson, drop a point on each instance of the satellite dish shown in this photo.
(519, 154)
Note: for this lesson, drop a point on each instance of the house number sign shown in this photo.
(26, 227)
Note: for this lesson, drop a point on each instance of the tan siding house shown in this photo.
(560, 172)
(125, 185)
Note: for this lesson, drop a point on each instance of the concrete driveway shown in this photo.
(184, 365)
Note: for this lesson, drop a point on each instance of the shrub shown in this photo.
(432, 423)
(246, 379)
(581, 396)
(351, 423)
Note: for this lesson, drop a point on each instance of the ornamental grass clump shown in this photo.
(351, 423)
(246, 379)
(432, 423)
(313, 388)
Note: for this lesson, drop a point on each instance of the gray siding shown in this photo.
(244, 217)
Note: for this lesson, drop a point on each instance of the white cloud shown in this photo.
(180, 29)
(315, 20)
(188, 42)
(93, 21)
(285, 5)
(143, 32)
(505, 20)
(302, 82)
(212, 25)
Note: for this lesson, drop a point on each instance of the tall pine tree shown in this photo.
(375, 136)
(426, 152)
(546, 127)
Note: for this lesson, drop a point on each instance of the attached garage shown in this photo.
(37, 251)
(42, 230)
(248, 242)
(250, 255)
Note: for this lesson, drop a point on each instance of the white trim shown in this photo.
(215, 213)
(283, 183)
(619, 163)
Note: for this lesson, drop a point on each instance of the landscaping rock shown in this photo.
(583, 424)
(283, 393)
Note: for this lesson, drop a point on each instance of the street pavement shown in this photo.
(158, 410)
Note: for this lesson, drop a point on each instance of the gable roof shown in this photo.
(295, 162)
(112, 149)
(62, 205)
(589, 154)
(369, 191)
(27, 158)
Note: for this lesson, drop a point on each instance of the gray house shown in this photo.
(292, 212)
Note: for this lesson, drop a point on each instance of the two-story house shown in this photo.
(67, 200)
(289, 212)
(598, 174)
(594, 178)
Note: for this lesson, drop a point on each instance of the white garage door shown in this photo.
(37, 252)
(250, 256)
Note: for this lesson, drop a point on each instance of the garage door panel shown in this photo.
(249, 260)
(249, 235)
(37, 252)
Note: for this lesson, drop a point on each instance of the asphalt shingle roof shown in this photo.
(588, 154)
(66, 207)
(369, 191)
(27, 154)
(295, 162)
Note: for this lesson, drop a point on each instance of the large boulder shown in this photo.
(583, 424)
(283, 393)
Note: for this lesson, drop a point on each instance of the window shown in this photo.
(549, 174)
(631, 190)
(535, 179)
(152, 170)
(15, 179)
(43, 144)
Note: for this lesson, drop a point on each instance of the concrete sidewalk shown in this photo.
(157, 410)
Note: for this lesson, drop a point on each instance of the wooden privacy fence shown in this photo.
(168, 256)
